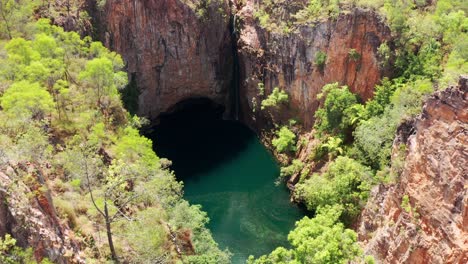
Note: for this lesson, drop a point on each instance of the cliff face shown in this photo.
(173, 49)
(176, 50)
(288, 61)
(432, 225)
(28, 214)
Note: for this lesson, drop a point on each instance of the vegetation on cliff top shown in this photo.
(61, 109)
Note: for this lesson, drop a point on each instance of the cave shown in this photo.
(226, 169)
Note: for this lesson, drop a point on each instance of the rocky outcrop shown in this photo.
(424, 217)
(174, 49)
(71, 15)
(28, 214)
(288, 61)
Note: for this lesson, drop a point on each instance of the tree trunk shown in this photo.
(109, 234)
(6, 23)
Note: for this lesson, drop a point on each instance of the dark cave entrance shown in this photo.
(196, 137)
(199, 107)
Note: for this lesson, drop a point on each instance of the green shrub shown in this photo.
(285, 140)
(261, 89)
(333, 147)
(66, 210)
(333, 118)
(27, 99)
(263, 17)
(147, 236)
(295, 167)
(346, 182)
(100, 4)
(374, 137)
(12, 254)
(322, 239)
(369, 259)
(385, 53)
(354, 55)
(59, 186)
(381, 99)
(320, 59)
(405, 203)
(276, 98)
(76, 183)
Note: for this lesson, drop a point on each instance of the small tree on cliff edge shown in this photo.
(115, 195)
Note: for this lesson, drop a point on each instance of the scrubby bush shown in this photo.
(295, 167)
(27, 99)
(322, 239)
(345, 182)
(66, 210)
(374, 137)
(320, 60)
(354, 55)
(12, 254)
(333, 118)
(285, 140)
(275, 99)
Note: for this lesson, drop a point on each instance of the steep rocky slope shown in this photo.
(174, 49)
(424, 217)
(28, 213)
(288, 61)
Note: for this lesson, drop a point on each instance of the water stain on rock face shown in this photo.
(226, 169)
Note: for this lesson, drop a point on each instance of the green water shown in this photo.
(226, 169)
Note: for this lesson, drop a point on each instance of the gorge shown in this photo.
(233, 131)
(176, 56)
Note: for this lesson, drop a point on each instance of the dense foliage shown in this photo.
(12, 254)
(336, 115)
(285, 140)
(322, 239)
(356, 140)
(346, 182)
(275, 99)
(61, 106)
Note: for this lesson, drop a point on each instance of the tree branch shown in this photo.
(89, 184)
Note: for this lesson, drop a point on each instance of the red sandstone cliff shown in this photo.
(174, 49)
(28, 214)
(287, 61)
(173, 53)
(433, 227)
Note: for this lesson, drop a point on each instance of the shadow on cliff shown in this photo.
(196, 138)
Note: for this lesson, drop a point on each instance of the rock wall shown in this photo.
(27, 213)
(174, 49)
(179, 49)
(287, 61)
(433, 227)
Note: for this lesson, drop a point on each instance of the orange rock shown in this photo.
(288, 61)
(170, 53)
(434, 176)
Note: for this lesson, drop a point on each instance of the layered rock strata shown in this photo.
(173, 49)
(288, 61)
(424, 217)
